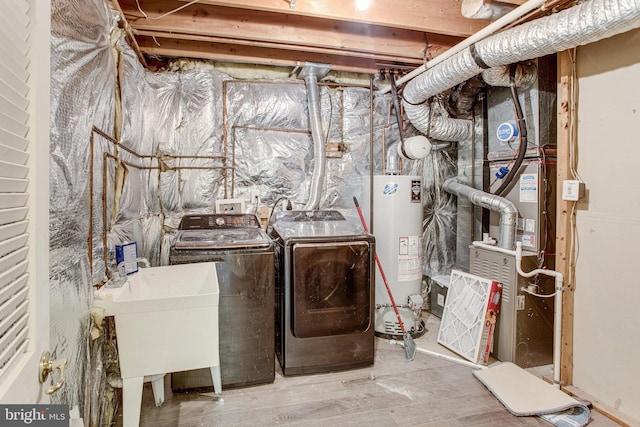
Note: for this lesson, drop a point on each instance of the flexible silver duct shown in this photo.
(526, 75)
(585, 23)
(507, 210)
(438, 127)
(311, 73)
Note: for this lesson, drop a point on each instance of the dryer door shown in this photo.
(330, 288)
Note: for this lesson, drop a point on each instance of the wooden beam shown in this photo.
(251, 55)
(129, 37)
(564, 213)
(516, 2)
(607, 410)
(434, 16)
(268, 27)
(276, 46)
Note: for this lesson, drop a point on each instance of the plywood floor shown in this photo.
(428, 391)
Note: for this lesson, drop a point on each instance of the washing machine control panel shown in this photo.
(217, 221)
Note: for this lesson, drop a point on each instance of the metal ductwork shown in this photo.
(582, 24)
(312, 73)
(507, 210)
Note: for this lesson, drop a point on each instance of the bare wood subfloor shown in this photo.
(428, 391)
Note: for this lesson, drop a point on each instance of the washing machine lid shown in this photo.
(329, 223)
(221, 231)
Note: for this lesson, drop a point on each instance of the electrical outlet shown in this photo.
(520, 302)
(230, 206)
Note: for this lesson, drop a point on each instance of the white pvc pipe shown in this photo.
(509, 18)
(557, 319)
(485, 245)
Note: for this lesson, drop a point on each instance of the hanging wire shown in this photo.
(164, 14)
(574, 241)
(573, 140)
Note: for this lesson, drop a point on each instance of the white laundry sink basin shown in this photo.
(166, 321)
(172, 287)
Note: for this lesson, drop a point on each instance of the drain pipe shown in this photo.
(312, 73)
(507, 210)
(557, 320)
(582, 24)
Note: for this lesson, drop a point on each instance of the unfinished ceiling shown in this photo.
(288, 32)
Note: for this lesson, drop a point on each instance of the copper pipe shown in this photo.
(146, 156)
(296, 82)
(371, 166)
(169, 168)
(117, 143)
(90, 239)
(171, 156)
(269, 129)
(104, 208)
(107, 155)
(225, 135)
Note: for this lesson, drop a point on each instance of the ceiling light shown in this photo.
(362, 4)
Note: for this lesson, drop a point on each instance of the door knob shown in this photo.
(47, 366)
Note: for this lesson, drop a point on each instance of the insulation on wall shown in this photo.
(187, 136)
(82, 95)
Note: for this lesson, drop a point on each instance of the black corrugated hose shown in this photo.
(522, 131)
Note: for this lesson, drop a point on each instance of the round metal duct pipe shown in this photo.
(582, 24)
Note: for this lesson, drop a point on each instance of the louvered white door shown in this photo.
(24, 141)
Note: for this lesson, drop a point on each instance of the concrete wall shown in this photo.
(607, 297)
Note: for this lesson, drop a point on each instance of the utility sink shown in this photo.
(172, 287)
(166, 321)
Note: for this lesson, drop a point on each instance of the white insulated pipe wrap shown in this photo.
(582, 24)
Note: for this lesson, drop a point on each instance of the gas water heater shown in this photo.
(396, 224)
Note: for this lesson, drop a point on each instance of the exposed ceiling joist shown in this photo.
(271, 32)
(435, 16)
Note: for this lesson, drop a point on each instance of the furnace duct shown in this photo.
(582, 24)
(506, 209)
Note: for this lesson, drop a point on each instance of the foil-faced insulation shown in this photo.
(82, 95)
(440, 214)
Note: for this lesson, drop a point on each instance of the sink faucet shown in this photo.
(121, 266)
(119, 277)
